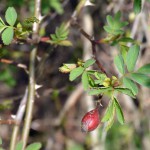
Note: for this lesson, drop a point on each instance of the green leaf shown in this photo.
(64, 43)
(110, 20)
(137, 6)
(124, 50)
(142, 79)
(119, 112)
(125, 91)
(144, 69)
(126, 40)
(108, 112)
(98, 91)
(76, 73)
(132, 57)
(7, 35)
(119, 64)
(19, 145)
(11, 16)
(56, 5)
(34, 146)
(89, 62)
(128, 83)
(85, 81)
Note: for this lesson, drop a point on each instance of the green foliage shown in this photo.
(132, 57)
(35, 146)
(60, 36)
(115, 25)
(137, 6)
(128, 83)
(89, 62)
(98, 91)
(119, 112)
(32, 146)
(76, 73)
(19, 145)
(142, 79)
(11, 16)
(56, 5)
(109, 111)
(85, 81)
(7, 35)
(8, 31)
(125, 91)
(144, 69)
(119, 62)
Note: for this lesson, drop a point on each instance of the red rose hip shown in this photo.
(90, 121)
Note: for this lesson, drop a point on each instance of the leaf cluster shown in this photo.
(60, 36)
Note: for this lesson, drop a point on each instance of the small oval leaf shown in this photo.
(34, 146)
(76, 73)
(89, 62)
(11, 16)
(7, 35)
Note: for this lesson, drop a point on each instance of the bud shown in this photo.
(66, 68)
(90, 121)
(107, 82)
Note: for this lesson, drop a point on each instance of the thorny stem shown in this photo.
(93, 43)
(31, 87)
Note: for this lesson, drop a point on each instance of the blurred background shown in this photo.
(61, 104)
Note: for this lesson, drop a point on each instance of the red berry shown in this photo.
(90, 121)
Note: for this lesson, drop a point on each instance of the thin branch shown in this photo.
(93, 43)
(31, 88)
(18, 120)
(11, 62)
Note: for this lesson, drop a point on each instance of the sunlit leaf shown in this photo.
(132, 57)
(144, 69)
(137, 6)
(85, 81)
(119, 62)
(119, 112)
(11, 16)
(76, 73)
(125, 91)
(89, 62)
(128, 83)
(142, 79)
(34, 146)
(19, 145)
(7, 35)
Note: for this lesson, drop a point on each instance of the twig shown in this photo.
(31, 88)
(11, 62)
(93, 43)
(9, 122)
(18, 120)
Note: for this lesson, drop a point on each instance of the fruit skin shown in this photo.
(90, 121)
